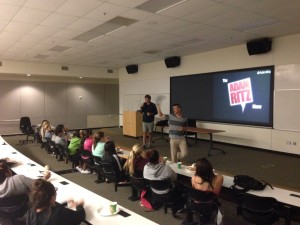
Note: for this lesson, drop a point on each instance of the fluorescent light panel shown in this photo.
(60, 48)
(105, 28)
(157, 6)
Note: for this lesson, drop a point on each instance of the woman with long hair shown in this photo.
(205, 179)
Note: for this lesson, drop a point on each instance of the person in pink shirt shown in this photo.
(86, 153)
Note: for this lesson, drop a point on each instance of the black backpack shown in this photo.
(244, 183)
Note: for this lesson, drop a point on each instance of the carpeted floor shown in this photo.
(278, 169)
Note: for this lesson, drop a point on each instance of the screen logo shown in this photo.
(240, 93)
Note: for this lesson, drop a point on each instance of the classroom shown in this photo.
(84, 63)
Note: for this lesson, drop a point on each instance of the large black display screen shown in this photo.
(238, 96)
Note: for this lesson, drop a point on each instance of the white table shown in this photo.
(281, 195)
(92, 201)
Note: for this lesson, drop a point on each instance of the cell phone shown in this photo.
(64, 182)
(14, 152)
(123, 213)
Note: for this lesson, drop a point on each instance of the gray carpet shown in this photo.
(276, 168)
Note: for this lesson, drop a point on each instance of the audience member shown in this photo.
(205, 179)
(136, 161)
(45, 210)
(86, 153)
(98, 144)
(110, 156)
(59, 135)
(74, 147)
(12, 185)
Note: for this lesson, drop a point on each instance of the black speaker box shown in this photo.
(132, 69)
(260, 46)
(172, 62)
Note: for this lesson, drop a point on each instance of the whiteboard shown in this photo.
(133, 102)
(287, 110)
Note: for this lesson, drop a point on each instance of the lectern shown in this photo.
(132, 123)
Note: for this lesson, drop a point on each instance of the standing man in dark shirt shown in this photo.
(149, 110)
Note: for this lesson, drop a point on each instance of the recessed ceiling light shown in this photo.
(28, 74)
(80, 77)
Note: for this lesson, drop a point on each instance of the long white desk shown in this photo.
(71, 190)
(281, 195)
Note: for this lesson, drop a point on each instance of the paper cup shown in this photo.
(179, 165)
(113, 207)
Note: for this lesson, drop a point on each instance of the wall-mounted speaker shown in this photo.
(259, 46)
(172, 62)
(132, 69)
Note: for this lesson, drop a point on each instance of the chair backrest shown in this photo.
(138, 182)
(14, 207)
(258, 210)
(62, 149)
(109, 171)
(160, 185)
(204, 203)
(25, 125)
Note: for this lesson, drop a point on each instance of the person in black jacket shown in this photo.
(149, 110)
(45, 211)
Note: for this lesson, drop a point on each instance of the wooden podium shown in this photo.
(132, 123)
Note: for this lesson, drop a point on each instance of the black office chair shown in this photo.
(27, 129)
(111, 175)
(98, 168)
(63, 153)
(14, 207)
(138, 184)
(53, 148)
(162, 199)
(204, 204)
(191, 123)
(258, 210)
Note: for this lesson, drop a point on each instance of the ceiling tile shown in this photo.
(128, 3)
(106, 12)
(8, 11)
(45, 5)
(59, 20)
(83, 24)
(44, 31)
(19, 27)
(28, 15)
(13, 2)
(78, 7)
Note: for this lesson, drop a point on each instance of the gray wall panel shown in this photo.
(10, 100)
(55, 99)
(111, 96)
(76, 99)
(95, 99)
(32, 99)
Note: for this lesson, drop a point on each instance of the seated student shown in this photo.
(74, 146)
(46, 211)
(48, 131)
(110, 156)
(59, 137)
(98, 144)
(204, 180)
(136, 161)
(86, 158)
(12, 185)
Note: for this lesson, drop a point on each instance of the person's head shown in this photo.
(153, 156)
(43, 194)
(59, 130)
(82, 134)
(137, 150)
(204, 170)
(76, 134)
(176, 108)
(88, 133)
(110, 148)
(4, 171)
(98, 136)
(147, 98)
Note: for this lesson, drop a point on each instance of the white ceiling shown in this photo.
(46, 30)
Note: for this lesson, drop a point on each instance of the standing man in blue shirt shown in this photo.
(149, 110)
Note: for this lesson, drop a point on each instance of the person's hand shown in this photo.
(47, 175)
(148, 113)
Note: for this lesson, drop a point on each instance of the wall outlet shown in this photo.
(294, 143)
(288, 142)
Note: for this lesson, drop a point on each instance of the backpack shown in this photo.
(244, 183)
(146, 199)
